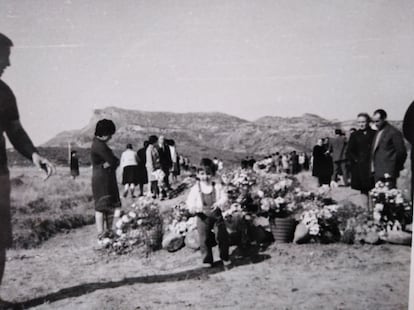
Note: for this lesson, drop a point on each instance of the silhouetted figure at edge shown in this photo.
(10, 124)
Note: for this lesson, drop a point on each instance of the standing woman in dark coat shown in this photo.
(359, 154)
(142, 170)
(104, 185)
(317, 155)
(322, 163)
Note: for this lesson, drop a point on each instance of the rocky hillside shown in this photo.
(208, 134)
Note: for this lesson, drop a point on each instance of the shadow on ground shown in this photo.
(87, 288)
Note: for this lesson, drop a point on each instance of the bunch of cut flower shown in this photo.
(319, 222)
(180, 230)
(280, 207)
(389, 205)
(140, 225)
(275, 185)
(300, 196)
(242, 177)
(391, 213)
(181, 220)
(280, 201)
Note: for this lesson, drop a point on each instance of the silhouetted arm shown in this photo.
(408, 124)
(20, 140)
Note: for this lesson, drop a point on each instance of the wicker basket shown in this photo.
(283, 229)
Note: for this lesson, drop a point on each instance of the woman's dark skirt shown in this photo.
(105, 190)
(129, 175)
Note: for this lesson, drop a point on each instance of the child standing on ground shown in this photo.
(205, 200)
(104, 185)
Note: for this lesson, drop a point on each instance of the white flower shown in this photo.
(139, 222)
(377, 216)
(261, 221)
(119, 224)
(191, 223)
(277, 187)
(314, 230)
(119, 232)
(399, 199)
(279, 200)
(125, 219)
(378, 207)
(181, 227)
(106, 241)
(260, 193)
(325, 213)
(132, 214)
(332, 208)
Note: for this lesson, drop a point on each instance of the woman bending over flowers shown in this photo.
(205, 200)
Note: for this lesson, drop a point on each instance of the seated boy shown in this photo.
(205, 200)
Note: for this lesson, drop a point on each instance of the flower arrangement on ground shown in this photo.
(141, 224)
(321, 221)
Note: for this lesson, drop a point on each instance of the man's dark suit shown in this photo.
(388, 154)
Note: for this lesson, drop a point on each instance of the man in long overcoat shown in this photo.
(388, 153)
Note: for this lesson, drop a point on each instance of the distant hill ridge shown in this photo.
(208, 133)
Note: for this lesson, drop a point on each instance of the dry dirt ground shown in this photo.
(67, 273)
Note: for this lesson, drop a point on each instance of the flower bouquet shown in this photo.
(321, 222)
(389, 205)
(391, 213)
(140, 225)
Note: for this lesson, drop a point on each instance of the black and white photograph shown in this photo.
(190, 154)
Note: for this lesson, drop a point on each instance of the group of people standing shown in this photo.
(288, 162)
(375, 152)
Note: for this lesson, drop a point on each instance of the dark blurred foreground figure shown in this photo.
(74, 164)
(388, 152)
(408, 131)
(10, 124)
(359, 154)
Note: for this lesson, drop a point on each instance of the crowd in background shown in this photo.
(157, 164)
(287, 162)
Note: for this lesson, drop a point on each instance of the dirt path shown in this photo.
(66, 273)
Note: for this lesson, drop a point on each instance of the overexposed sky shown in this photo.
(245, 58)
